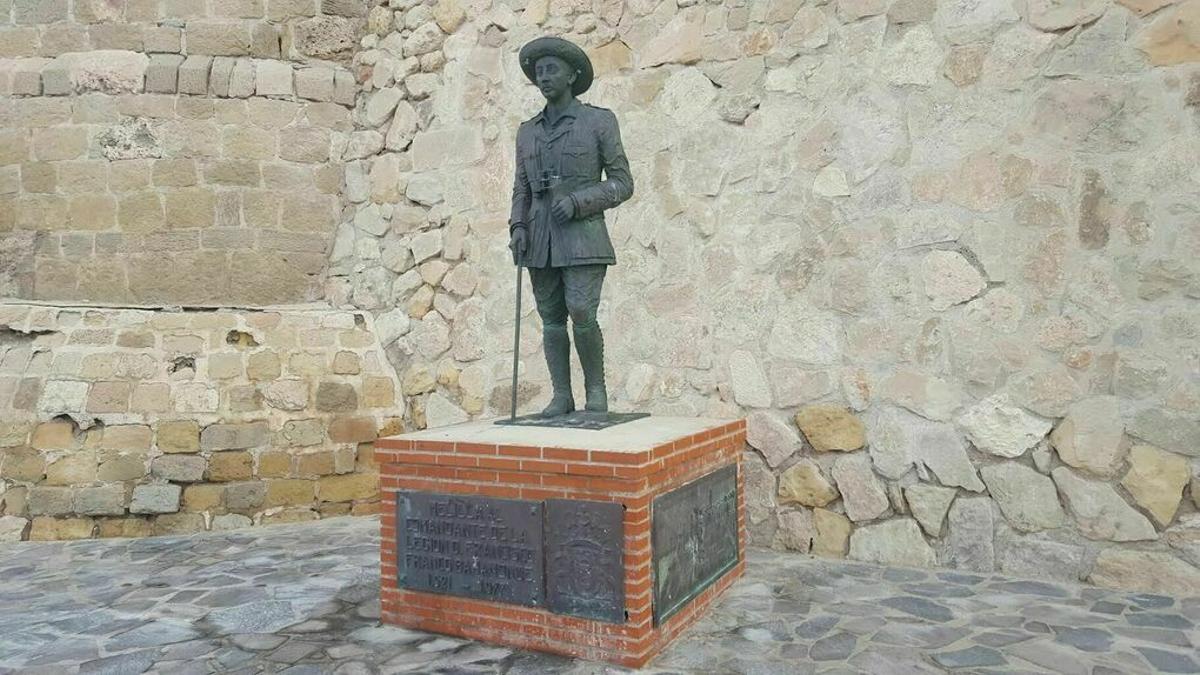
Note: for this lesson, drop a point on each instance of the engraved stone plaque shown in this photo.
(695, 539)
(479, 547)
(585, 566)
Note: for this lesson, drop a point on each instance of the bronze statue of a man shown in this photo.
(557, 225)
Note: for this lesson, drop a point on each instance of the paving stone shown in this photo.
(816, 627)
(919, 607)
(1053, 657)
(253, 617)
(134, 662)
(1151, 600)
(1000, 639)
(1084, 639)
(972, 657)
(835, 647)
(257, 642)
(1031, 588)
(1169, 662)
(1158, 620)
(293, 651)
(1160, 636)
(160, 632)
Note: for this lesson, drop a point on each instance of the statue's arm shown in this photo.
(617, 185)
(521, 195)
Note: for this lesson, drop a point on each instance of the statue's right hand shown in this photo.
(517, 243)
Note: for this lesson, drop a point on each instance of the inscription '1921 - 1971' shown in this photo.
(471, 546)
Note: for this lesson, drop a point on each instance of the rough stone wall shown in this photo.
(173, 151)
(138, 422)
(943, 255)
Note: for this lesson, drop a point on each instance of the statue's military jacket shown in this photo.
(566, 160)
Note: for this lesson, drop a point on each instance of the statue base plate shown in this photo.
(580, 419)
(602, 544)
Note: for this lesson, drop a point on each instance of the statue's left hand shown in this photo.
(563, 210)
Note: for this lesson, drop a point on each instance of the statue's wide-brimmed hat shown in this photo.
(567, 51)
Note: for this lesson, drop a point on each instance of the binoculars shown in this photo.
(546, 182)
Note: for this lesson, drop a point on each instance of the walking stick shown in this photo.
(516, 347)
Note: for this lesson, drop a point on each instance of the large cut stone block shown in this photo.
(162, 75)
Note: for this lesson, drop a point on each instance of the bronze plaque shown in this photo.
(479, 547)
(585, 566)
(694, 538)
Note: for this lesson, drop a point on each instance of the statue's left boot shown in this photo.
(589, 343)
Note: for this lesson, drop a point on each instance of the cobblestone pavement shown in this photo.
(303, 599)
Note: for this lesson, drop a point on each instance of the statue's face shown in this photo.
(554, 77)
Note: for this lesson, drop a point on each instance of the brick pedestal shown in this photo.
(631, 464)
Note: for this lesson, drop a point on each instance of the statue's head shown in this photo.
(556, 66)
(554, 76)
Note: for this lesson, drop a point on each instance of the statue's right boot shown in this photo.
(556, 343)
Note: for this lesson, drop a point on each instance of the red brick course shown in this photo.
(523, 472)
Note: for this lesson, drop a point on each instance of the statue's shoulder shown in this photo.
(599, 110)
(601, 116)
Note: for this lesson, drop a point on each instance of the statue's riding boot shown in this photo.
(557, 345)
(589, 343)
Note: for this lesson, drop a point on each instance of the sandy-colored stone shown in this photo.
(55, 529)
(290, 492)
(230, 466)
(830, 428)
(178, 436)
(1145, 571)
(1173, 36)
(802, 483)
(1156, 480)
(73, 469)
(198, 498)
(54, 435)
(1090, 437)
(832, 533)
(346, 488)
